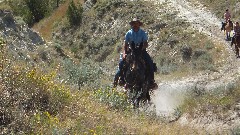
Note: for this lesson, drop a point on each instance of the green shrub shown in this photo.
(112, 97)
(85, 74)
(202, 60)
(165, 64)
(33, 11)
(209, 45)
(31, 93)
(74, 13)
(104, 5)
(25, 93)
(186, 53)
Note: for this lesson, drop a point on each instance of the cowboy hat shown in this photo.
(136, 20)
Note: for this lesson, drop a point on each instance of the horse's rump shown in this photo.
(229, 27)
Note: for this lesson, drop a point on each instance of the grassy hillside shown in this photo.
(71, 94)
(100, 36)
(33, 101)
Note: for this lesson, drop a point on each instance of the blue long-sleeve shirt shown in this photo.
(136, 37)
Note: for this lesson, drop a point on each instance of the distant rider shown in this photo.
(227, 16)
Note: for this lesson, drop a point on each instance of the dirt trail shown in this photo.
(171, 93)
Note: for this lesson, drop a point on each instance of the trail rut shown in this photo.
(171, 94)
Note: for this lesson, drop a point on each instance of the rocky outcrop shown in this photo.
(89, 4)
(18, 36)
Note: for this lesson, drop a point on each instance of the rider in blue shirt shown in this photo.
(137, 36)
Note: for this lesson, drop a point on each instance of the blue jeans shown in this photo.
(119, 73)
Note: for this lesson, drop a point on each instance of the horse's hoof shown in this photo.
(153, 86)
(121, 83)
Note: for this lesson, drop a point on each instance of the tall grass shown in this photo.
(28, 92)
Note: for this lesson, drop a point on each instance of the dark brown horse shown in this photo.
(137, 76)
(237, 45)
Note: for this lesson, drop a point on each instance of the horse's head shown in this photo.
(223, 26)
(135, 55)
(135, 73)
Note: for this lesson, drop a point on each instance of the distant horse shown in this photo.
(136, 76)
(227, 27)
(236, 41)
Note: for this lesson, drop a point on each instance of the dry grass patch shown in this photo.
(87, 115)
(45, 26)
(4, 6)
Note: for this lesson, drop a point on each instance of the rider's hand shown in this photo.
(144, 46)
(124, 56)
